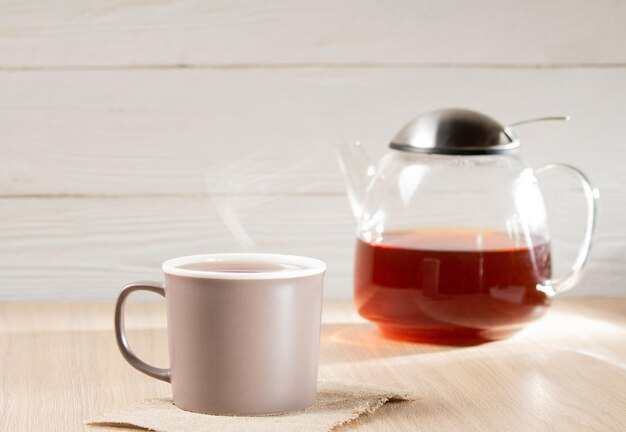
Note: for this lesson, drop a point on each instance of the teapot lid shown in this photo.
(455, 131)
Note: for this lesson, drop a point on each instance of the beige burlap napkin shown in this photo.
(336, 404)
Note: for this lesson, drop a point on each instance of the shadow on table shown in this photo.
(363, 341)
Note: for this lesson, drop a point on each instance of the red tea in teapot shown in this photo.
(451, 286)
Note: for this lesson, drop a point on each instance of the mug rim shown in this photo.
(312, 266)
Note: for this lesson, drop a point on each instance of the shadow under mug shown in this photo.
(240, 343)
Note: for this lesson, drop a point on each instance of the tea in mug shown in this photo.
(240, 267)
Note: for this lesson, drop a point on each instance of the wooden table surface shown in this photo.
(59, 365)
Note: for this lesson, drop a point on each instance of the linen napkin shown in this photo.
(337, 403)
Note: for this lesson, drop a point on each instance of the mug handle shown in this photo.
(120, 330)
(591, 195)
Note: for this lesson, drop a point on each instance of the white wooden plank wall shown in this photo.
(129, 129)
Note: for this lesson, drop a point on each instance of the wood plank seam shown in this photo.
(263, 66)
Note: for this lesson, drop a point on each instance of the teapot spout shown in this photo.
(358, 171)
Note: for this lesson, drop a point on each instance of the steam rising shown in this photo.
(239, 187)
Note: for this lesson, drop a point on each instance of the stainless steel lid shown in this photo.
(455, 132)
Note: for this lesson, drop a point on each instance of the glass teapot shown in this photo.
(452, 239)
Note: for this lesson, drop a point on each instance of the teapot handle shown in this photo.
(591, 196)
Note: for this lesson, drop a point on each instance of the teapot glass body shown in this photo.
(456, 249)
